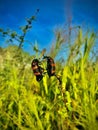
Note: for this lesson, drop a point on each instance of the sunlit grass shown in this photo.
(26, 104)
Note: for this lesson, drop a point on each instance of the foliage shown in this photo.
(13, 36)
(26, 104)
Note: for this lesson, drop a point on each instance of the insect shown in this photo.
(37, 69)
(51, 67)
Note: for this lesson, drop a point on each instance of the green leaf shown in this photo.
(13, 34)
(33, 18)
(1, 30)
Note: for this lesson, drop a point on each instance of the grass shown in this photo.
(26, 104)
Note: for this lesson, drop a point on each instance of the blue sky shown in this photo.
(52, 13)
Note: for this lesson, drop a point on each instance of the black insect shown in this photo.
(51, 67)
(37, 69)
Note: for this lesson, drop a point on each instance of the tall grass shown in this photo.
(26, 104)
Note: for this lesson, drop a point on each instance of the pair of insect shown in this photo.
(39, 71)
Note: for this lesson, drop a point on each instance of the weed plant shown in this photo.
(26, 104)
